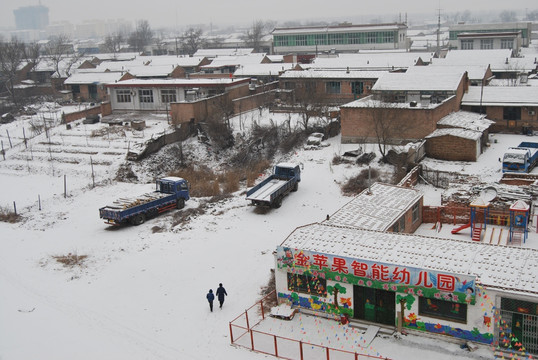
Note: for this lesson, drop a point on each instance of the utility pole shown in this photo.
(439, 30)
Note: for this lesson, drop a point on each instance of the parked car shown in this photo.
(315, 139)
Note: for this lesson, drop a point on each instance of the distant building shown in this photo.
(492, 40)
(31, 17)
(457, 30)
(340, 38)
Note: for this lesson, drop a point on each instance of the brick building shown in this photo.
(159, 94)
(404, 106)
(460, 136)
(512, 108)
(331, 86)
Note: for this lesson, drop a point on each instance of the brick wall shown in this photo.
(496, 113)
(451, 148)
(103, 109)
(408, 123)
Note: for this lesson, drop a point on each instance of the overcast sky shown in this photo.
(180, 12)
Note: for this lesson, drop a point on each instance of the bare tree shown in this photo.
(58, 49)
(141, 36)
(12, 55)
(254, 36)
(386, 125)
(508, 16)
(218, 122)
(191, 40)
(114, 41)
(308, 100)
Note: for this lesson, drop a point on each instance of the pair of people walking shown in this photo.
(221, 292)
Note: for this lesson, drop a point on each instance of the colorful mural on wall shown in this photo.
(403, 279)
(319, 304)
(411, 321)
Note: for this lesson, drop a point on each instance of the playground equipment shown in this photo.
(519, 220)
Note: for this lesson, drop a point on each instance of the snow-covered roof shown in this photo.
(331, 74)
(276, 58)
(501, 267)
(336, 29)
(420, 78)
(120, 56)
(466, 120)
(221, 61)
(500, 60)
(475, 72)
(93, 78)
(67, 64)
(262, 69)
(151, 70)
(370, 102)
(461, 133)
(182, 61)
(222, 52)
(376, 208)
(368, 60)
(177, 82)
(501, 96)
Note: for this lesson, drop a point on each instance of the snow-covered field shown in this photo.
(140, 292)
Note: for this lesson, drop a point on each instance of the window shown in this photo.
(357, 87)
(307, 284)
(415, 212)
(441, 309)
(145, 95)
(321, 39)
(511, 113)
(300, 40)
(399, 226)
(332, 87)
(371, 38)
(507, 43)
(123, 96)
(354, 38)
(467, 44)
(168, 95)
(336, 39)
(486, 44)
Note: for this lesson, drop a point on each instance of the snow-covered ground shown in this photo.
(140, 292)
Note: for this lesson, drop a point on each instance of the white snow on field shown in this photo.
(140, 293)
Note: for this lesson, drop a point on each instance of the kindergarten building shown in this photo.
(378, 275)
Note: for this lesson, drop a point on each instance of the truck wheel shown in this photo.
(278, 202)
(139, 219)
(295, 187)
(180, 203)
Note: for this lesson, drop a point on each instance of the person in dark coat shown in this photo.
(221, 292)
(210, 297)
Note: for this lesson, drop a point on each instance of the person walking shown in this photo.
(221, 292)
(210, 297)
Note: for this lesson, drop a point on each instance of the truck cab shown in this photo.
(173, 185)
(287, 171)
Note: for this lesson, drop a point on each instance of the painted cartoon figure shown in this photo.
(469, 296)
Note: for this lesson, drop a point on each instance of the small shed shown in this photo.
(454, 144)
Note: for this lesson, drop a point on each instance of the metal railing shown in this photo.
(242, 333)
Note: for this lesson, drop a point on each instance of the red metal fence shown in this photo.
(242, 333)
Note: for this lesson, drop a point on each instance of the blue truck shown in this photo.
(170, 193)
(271, 191)
(521, 159)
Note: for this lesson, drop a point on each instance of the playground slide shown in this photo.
(458, 229)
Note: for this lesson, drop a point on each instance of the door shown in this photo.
(374, 305)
